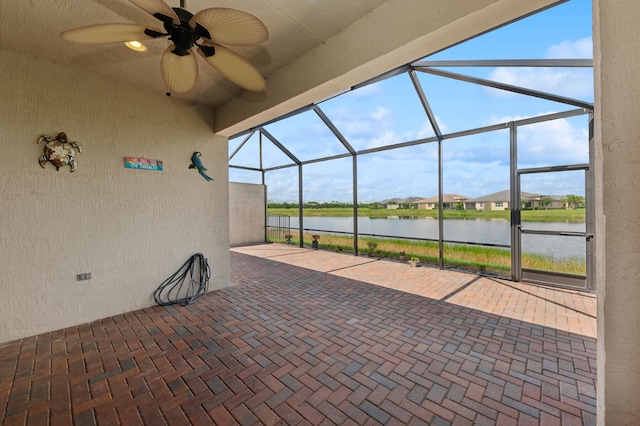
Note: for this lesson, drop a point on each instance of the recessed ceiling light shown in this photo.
(136, 45)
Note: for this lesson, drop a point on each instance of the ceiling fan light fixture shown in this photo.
(136, 45)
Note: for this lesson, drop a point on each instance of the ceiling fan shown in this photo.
(207, 31)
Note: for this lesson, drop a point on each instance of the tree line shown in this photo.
(314, 205)
(571, 201)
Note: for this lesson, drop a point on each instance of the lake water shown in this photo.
(488, 231)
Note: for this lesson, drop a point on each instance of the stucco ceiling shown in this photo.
(295, 26)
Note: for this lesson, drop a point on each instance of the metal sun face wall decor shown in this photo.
(59, 151)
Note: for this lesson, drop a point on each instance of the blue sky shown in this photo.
(390, 112)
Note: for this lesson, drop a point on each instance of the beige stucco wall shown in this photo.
(246, 213)
(492, 206)
(130, 228)
(617, 151)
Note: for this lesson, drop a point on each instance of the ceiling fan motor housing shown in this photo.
(183, 36)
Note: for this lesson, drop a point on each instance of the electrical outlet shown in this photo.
(85, 276)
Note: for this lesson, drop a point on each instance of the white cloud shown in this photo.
(381, 114)
(509, 118)
(282, 185)
(368, 130)
(383, 176)
(444, 128)
(388, 137)
(556, 142)
(568, 49)
(474, 178)
(473, 166)
(353, 127)
(358, 124)
(425, 131)
(572, 82)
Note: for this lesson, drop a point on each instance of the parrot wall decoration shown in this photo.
(196, 163)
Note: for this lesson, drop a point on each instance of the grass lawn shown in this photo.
(476, 258)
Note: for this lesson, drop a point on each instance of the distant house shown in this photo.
(496, 201)
(557, 202)
(390, 203)
(400, 203)
(449, 201)
(502, 200)
(409, 202)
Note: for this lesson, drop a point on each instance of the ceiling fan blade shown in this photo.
(153, 7)
(179, 72)
(235, 68)
(106, 33)
(230, 26)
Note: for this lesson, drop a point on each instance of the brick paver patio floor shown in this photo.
(313, 337)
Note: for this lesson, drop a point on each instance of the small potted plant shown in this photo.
(288, 237)
(414, 261)
(314, 243)
(403, 256)
(372, 246)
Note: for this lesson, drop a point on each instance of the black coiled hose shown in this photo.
(175, 289)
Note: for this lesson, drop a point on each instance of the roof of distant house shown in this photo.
(446, 198)
(504, 196)
(407, 200)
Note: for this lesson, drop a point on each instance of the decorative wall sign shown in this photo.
(59, 151)
(142, 163)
